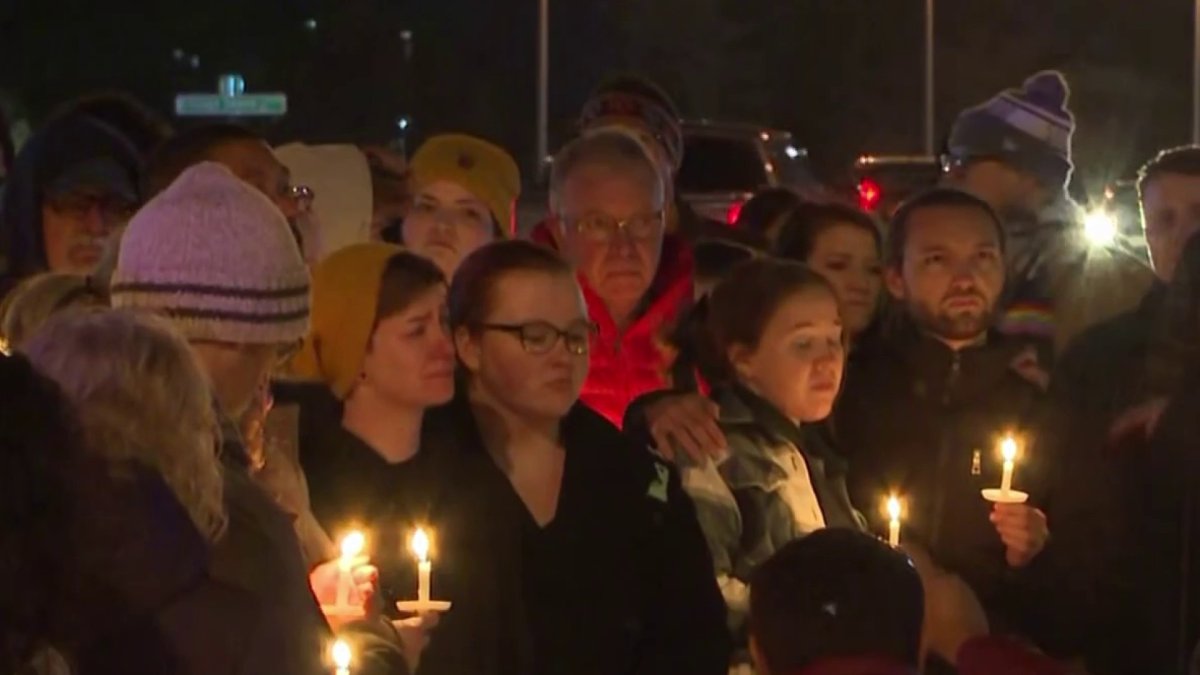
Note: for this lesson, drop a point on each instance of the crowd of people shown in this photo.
(636, 442)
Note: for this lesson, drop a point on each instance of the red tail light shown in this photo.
(735, 210)
(869, 194)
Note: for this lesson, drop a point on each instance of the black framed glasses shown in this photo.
(539, 337)
(601, 228)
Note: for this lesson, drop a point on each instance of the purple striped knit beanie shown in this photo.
(1030, 128)
(216, 257)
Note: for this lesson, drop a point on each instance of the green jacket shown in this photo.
(778, 483)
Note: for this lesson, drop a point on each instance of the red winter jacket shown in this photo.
(626, 365)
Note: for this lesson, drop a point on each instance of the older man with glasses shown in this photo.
(608, 199)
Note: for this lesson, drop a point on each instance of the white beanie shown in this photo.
(216, 257)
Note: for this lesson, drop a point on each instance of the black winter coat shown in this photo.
(1150, 623)
(152, 604)
(618, 583)
(923, 420)
(261, 554)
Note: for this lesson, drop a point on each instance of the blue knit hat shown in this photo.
(1030, 128)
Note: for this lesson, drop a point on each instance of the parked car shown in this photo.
(884, 181)
(724, 164)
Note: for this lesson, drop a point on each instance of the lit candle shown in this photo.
(420, 547)
(352, 547)
(894, 512)
(342, 656)
(1006, 494)
(1008, 450)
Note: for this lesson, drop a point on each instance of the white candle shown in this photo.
(352, 546)
(893, 511)
(342, 657)
(1008, 450)
(420, 547)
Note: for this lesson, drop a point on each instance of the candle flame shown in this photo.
(353, 544)
(893, 508)
(341, 655)
(1008, 448)
(420, 545)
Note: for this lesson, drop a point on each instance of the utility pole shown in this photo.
(543, 92)
(929, 98)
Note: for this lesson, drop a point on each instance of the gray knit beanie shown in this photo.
(216, 257)
(1030, 128)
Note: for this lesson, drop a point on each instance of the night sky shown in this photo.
(843, 75)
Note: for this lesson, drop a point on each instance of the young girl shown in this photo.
(778, 349)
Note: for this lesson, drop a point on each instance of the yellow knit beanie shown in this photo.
(479, 167)
(345, 296)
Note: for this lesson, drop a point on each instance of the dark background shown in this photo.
(843, 75)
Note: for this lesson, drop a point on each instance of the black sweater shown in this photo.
(619, 582)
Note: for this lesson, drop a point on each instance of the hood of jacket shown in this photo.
(62, 144)
(340, 179)
(137, 548)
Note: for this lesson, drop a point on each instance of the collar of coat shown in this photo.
(740, 407)
(929, 362)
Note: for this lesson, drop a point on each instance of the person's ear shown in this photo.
(893, 277)
(741, 358)
(467, 346)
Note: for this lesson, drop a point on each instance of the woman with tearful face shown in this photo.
(583, 555)
(380, 355)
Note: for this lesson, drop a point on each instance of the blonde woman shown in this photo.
(140, 395)
(38, 298)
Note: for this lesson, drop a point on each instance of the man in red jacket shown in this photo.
(608, 198)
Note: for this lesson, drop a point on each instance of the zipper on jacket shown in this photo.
(945, 451)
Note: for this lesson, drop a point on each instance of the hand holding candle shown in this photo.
(343, 586)
(1006, 495)
(420, 547)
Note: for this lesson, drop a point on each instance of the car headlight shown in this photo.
(1100, 227)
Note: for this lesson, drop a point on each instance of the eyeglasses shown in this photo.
(80, 205)
(281, 353)
(601, 228)
(303, 196)
(539, 337)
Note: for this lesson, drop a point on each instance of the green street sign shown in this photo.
(243, 105)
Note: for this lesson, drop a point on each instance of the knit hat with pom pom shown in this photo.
(1030, 128)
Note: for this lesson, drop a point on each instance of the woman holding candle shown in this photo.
(376, 358)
